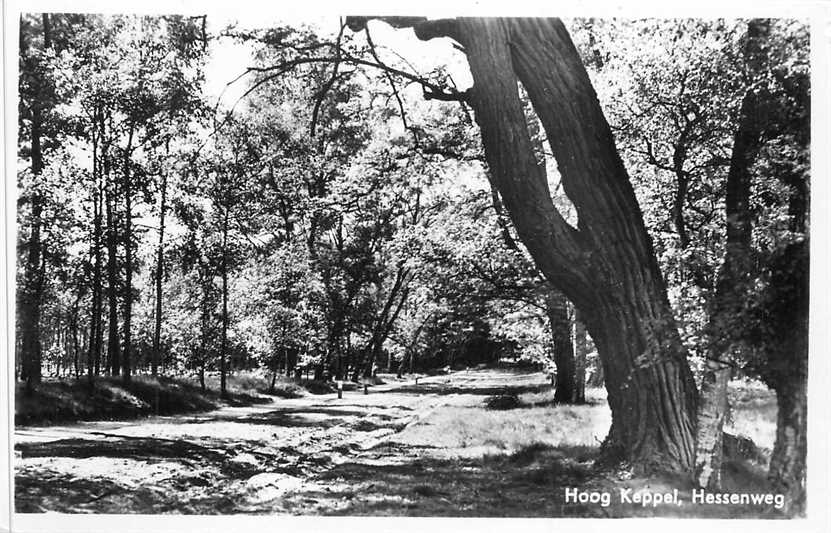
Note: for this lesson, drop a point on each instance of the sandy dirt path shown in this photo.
(302, 456)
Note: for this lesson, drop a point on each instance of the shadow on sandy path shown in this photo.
(138, 448)
(405, 480)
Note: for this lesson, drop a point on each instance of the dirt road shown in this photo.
(311, 455)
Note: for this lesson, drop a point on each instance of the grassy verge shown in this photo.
(109, 398)
(56, 401)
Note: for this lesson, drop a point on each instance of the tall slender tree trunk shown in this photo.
(204, 318)
(96, 334)
(76, 363)
(56, 345)
(737, 269)
(128, 257)
(94, 354)
(562, 349)
(202, 386)
(157, 327)
(111, 194)
(224, 346)
(580, 353)
(31, 292)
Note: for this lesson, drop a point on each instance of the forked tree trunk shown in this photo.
(606, 266)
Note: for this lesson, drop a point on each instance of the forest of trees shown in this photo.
(626, 201)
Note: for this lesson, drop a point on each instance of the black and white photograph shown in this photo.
(344, 263)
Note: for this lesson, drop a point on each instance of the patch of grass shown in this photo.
(467, 431)
(545, 397)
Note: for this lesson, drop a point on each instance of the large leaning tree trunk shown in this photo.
(606, 266)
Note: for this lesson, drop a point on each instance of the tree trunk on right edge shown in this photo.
(785, 369)
(787, 463)
(736, 271)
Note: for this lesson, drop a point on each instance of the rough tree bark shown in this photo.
(736, 271)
